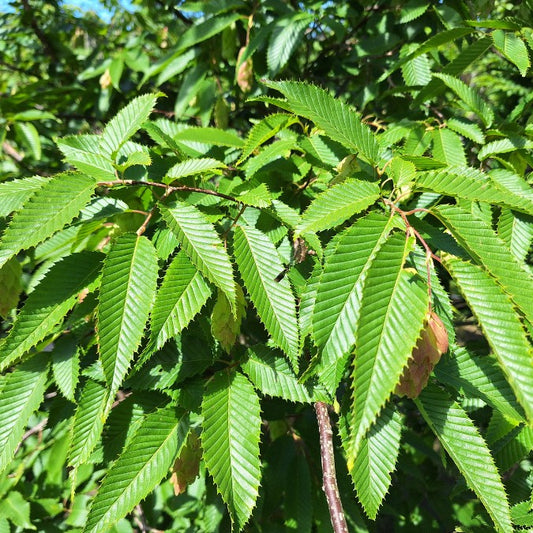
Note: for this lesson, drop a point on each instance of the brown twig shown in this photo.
(329, 477)
(32, 431)
(169, 188)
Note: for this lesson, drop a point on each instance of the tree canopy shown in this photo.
(244, 244)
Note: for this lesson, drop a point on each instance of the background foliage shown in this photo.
(194, 251)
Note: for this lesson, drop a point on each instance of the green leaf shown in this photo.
(46, 211)
(260, 265)
(371, 472)
(468, 450)
(202, 31)
(486, 247)
(513, 48)
(129, 280)
(141, 466)
(469, 97)
(224, 325)
(257, 196)
(10, 286)
(66, 365)
(437, 40)
(40, 314)
(22, 393)
(513, 447)
(88, 421)
(413, 9)
(126, 123)
(467, 129)
(230, 440)
(264, 130)
(308, 301)
(516, 230)
(284, 40)
(212, 136)
(417, 71)
(82, 152)
(469, 54)
(180, 298)
(190, 167)
(272, 152)
(13, 194)
(162, 138)
(501, 326)
(16, 508)
(30, 137)
(394, 304)
(448, 148)
(479, 377)
(337, 204)
(203, 246)
(472, 184)
(299, 497)
(269, 371)
(402, 172)
(504, 146)
(338, 121)
(338, 297)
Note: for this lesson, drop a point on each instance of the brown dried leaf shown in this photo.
(433, 342)
(245, 74)
(187, 465)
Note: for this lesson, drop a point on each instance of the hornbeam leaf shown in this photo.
(470, 97)
(338, 297)
(82, 152)
(337, 204)
(393, 306)
(486, 247)
(14, 193)
(501, 326)
(22, 393)
(448, 147)
(191, 167)
(129, 280)
(142, 465)
(260, 265)
(479, 377)
(371, 472)
(435, 41)
(284, 40)
(66, 365)
(127, 121)
(472, 184)
(46, 211)
(88, 422)
(40, 314)
(264, 130)
(215, 136)
(202, 244)
(516, 230)
(269, 371)
(461, 439)
(230, 440)
(338, 120)
(513, 48)
(504, 146)
(180, 298)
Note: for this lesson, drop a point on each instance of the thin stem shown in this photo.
(329, 476)
(410, 230)
(168, 188)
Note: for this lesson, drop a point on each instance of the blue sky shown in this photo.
(85, 5)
